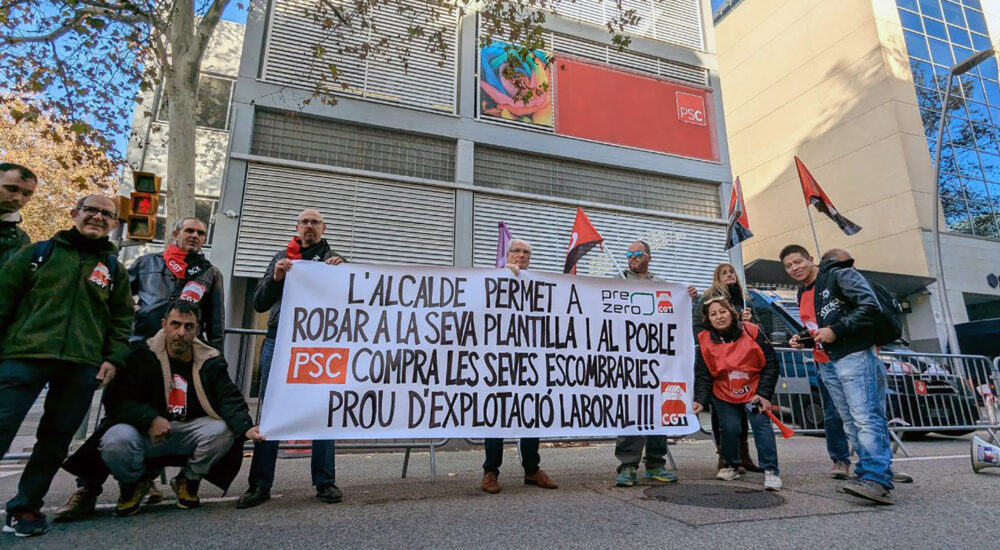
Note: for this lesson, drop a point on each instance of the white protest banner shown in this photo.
(375, 351)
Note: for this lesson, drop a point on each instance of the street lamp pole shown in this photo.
(961, 68)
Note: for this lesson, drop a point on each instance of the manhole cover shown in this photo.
(711, 495)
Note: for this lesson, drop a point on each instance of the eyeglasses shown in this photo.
(307, 222)
(635, 254)
(94, 211)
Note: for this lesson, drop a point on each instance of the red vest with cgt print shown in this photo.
(735, 366)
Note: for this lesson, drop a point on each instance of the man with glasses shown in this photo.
(518, 258)
(17, 185)
(65, 316)
(309, 245)
(628, 449)
(179, 273)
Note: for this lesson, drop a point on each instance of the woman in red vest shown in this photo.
(736, 370)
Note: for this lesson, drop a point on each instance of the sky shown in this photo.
(716, 4)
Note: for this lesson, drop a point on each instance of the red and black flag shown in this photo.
(815, 196)
(739, 223)
(583, 239)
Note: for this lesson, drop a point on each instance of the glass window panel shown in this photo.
(985, 137)
(915, 45)
(992, 92)
(976, 21)
(962, 54)
(956, 216)
(991, 166)
(941, 52)
(994, 191)
(948, 160)
(931, 8)
(988, 68)
(983, 222)
(975, 191)
(910, 21)
(978, 112)
(959, 36)
(972, 4)
(957, 108)
(960, 132)
(972, 87)
(980, 42)
(923, 73)
(908, 4)
(935, 29)
(968, 163)
(953, 13)
(995, 114)
(931, 119)
(213, 102)
(951, 187)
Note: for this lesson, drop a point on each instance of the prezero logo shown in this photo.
(691, 109)
(318, 366)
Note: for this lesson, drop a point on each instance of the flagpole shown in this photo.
(813, 227)
(618, 268)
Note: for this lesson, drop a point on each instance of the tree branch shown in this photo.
(72, 24)
(208, 23)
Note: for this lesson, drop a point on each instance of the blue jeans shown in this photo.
(833, 426)
(731, 418)
(71, 389)
(856, 383)
(265, 453)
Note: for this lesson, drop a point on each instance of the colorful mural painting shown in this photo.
(498, 95)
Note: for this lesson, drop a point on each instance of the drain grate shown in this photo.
(713, 495)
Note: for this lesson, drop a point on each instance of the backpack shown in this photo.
(43, 251)
(889, 327)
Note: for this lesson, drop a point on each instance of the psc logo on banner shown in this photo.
(318, 366)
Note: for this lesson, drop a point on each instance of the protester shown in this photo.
(839, 310)
(628, 449)
(309, 245)
(174, 399)
(726, 284)
(65, 315)
(518, 259)
(736, 371)
(17, 185)
(180, 272)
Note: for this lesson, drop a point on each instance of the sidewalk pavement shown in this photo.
(947, 506)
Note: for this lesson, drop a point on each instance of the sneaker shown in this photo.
(901, 477)
(329, 494)
(661, 474)
(626, 477)
(490, 484)
(26, 524)
(130, 497)
(840, 470)
(186, 491)
(772, 482)
(80, 505)
(728, 474)
(869, 490)
(254, 496)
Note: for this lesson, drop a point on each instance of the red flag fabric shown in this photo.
(739, 223)
(584, 238)
(815, 196)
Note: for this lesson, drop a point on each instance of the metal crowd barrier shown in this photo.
(927, 392)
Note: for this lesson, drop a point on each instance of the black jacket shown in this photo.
(703, 379)
(267, 295)
(138, 395)
(845, 302)
(12, 238)
(155, 285)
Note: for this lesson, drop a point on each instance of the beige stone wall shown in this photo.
(829, 82)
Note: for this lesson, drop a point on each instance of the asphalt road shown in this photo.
(947, 507)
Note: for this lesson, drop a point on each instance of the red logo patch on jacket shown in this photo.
(100, 276)
(193, 292)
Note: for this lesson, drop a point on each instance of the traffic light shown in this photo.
(143, 204)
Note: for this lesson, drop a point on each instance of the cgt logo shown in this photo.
(663, 303)
(318, 366)
(691, 109)
(673, 410)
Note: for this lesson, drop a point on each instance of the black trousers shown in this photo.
(530, 459)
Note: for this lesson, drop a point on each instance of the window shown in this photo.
(214, 96)
(935, 29)
(959, 36)
(910, 21)
(953, 13)
(976, 21)
(930, 8)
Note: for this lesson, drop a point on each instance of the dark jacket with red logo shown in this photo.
(139, 394)
(67, 308)
(156, 286)
(267, 295)
(734, 366)
(845, 302)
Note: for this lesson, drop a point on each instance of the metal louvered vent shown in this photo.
(322, 141)
(682, 251)
(547, 176)
(367, 220)
(429, 82)
(674, 21)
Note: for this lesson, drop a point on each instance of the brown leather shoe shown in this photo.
(540, 479)
(490, 484)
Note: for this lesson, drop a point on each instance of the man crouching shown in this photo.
(174, 399)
